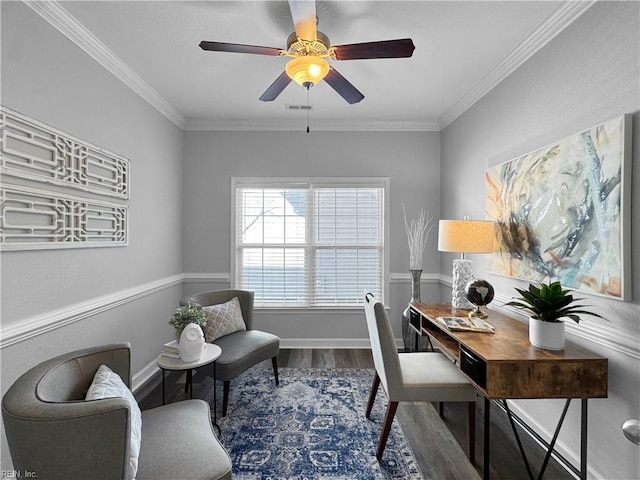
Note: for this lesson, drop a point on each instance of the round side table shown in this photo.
(210, 353)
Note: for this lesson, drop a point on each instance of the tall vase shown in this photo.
(409, 346)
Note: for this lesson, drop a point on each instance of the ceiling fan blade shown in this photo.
(276, 88)
(344, 88)
(401, 48)
(303, 13)
(239, 48)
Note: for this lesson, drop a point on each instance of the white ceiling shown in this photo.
(463, 48)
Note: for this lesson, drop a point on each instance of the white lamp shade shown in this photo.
(466, 236)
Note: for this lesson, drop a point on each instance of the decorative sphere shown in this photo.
(479, 292)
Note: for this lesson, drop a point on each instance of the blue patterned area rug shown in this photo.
(312, 426)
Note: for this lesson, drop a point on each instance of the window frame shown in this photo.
(309, 183)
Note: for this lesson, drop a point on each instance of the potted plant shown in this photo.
(548, 305)
(185, 315)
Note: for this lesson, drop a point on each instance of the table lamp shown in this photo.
(464, 236)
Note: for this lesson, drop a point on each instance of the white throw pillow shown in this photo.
(107, 384)
(223, 319)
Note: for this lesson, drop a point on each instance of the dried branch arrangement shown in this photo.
(417, 235)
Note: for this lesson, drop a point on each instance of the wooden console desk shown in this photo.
(504, 365)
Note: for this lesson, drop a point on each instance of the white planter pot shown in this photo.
(191, 343)
(547, 335)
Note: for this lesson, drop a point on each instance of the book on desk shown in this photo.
(466, 324)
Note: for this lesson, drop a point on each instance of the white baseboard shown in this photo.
(406, 278)
(144, 375)
(330, 343)
(572, 456)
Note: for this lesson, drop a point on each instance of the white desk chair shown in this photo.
(412, 377)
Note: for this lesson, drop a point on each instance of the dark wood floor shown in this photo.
(439, 444)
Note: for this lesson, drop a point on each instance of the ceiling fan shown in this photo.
(309, 50)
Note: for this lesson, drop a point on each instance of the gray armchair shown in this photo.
(54, 433)
(240, 350)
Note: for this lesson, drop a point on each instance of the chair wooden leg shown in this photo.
(472, 432)
(388, 420)
(225, 397)
(372, 395)
(274, 363)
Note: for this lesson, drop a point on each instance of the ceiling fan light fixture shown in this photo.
(307, 70)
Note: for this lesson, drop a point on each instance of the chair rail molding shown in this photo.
(426, 277)
(603, 334)
(561, 18)
(207, 277)
(31, 327)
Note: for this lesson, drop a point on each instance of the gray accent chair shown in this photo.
(412, 377)
(240, 350)
(54, 433)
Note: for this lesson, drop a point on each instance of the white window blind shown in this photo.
(309, 244)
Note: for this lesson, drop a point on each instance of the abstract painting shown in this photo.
(563, 212)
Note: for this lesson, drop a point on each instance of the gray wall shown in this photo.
(410, 160)
(48, 78)
(588, 74)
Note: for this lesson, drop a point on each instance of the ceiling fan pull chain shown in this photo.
(308, 105)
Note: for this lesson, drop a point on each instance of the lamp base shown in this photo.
(462, 274)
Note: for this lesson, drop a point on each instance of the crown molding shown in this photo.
(555, 23)
(65, 23)
(315, 126)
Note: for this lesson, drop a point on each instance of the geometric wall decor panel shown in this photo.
(34, 219)
(35, 151)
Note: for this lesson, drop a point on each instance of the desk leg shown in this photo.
(583, 440)
(487, 438)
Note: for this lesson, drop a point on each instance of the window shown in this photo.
(309, 243)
